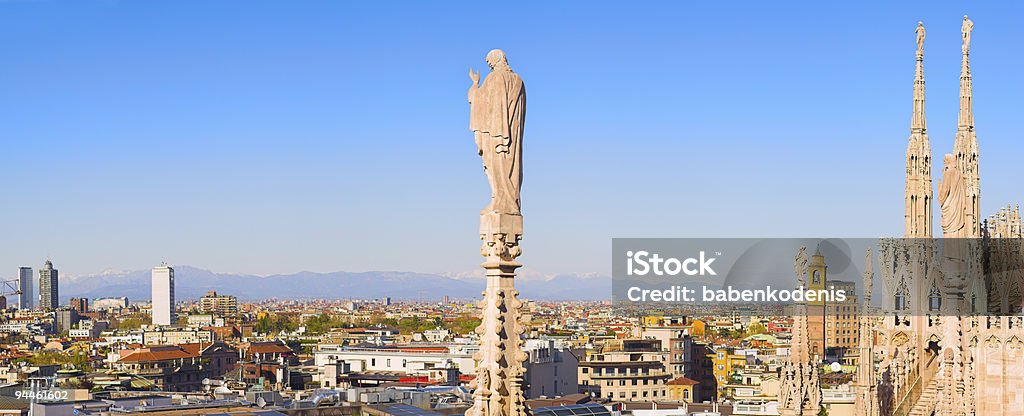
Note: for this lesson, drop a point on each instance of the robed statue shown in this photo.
(497, 114)
(800, 265)
(965, 31)
(953, 200)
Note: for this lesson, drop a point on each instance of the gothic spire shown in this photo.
(918, 124)
(965, 145)
(965, 121)
(918, 192)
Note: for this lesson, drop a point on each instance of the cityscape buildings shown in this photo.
(945, 339)
(218, 305)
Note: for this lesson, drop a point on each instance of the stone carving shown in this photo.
(965, 31)
(799, 389)
(800, 265)
(496, 117)
(953, 200)
(497, 111)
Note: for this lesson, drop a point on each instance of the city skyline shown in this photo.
(248, 158)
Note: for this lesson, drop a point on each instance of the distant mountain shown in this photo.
(192, 283)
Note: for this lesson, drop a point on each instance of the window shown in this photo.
(934, 299)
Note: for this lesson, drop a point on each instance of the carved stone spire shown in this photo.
(965, 146)
(498, 389)
(800, 391)
(918, 124)
(866, 403)
(918, 192)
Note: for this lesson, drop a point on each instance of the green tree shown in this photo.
(464, 324)
(756, 328)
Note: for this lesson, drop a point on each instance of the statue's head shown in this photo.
(496, 59)
(949, 161)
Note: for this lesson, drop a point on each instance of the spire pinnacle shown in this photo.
(918, 124)
(966, 119)
(918, 193)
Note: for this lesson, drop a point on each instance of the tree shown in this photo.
(756, 328)
(465, 324)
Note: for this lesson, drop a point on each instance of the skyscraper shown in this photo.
(49, 298)
(25, 284)
(163, 295)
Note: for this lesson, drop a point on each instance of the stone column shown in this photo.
(866, 403)
(498, 384)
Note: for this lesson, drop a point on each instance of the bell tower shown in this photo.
(816, 282)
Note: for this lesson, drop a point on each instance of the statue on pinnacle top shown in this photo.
(497, 115)
(965, 30)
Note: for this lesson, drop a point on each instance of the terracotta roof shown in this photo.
(159, 353)
(682, 381)
(194, 348)
(268, 348)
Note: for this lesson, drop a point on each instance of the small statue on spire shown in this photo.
(965, 30)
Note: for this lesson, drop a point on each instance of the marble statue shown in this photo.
(497, 115)
(965, 31)
(920, 38)
(800, 265)
(953, 200)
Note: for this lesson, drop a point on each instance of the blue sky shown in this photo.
(272, 137)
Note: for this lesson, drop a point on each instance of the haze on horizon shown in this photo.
(271, 139)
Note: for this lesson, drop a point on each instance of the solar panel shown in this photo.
(406, 410)
(589, 409)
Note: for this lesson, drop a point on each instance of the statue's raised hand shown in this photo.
(475, 76)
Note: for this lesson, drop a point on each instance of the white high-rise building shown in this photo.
(25, 285)
(49, 295)
(163, 295)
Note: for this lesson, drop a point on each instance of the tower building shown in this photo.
(25, 285)
(816, 278)
(163, 295)
(49, 295)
